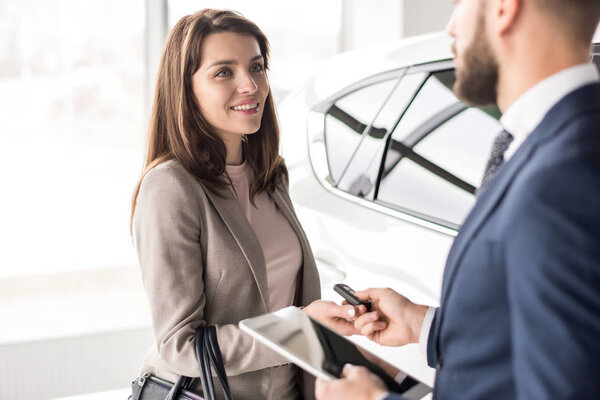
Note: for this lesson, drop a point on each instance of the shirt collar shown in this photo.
(526, 113)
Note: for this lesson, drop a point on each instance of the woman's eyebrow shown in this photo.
(232, 62)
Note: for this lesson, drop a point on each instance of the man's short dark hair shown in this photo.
(577, 18)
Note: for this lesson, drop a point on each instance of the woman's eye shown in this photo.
(257, 68)
(224, 73)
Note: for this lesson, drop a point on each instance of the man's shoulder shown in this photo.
(583, 101)
(577, 114)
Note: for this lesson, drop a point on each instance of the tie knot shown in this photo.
(499, 147)
(501, 143)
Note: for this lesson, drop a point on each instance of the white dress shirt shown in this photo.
(522, 117)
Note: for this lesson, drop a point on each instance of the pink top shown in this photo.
(280, 245)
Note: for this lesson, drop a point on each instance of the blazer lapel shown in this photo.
(231, 213)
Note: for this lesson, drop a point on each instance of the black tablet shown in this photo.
(323, 352)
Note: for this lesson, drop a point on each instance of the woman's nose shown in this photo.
(247, 85)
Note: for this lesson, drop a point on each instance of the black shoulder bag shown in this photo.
(148, 387)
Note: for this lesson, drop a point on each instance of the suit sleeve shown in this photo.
(167, 230)
(553, 273)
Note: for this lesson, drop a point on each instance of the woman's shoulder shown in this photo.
(169, 172)
(169, 197)
(169, 178)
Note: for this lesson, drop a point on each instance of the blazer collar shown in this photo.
(579, 102)
(230, 212)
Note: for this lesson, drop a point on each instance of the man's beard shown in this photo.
(477, 80)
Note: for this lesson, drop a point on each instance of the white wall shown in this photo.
(365, 23)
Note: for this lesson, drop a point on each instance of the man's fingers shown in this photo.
(361, 309)
(372, 328)
(365, 294)
(365, 319)
(372, 293)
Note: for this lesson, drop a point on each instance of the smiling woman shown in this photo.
(216, 234)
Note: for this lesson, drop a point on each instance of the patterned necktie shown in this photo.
(501, 143)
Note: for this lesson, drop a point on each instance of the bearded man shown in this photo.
(520, 306)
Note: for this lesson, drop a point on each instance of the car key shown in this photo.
(350, 295)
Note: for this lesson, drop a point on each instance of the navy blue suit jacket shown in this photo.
(520, 306)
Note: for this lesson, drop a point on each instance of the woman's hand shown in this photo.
(336, 317)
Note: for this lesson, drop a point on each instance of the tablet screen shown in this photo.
(323, 352)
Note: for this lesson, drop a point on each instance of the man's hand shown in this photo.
(393, 321)
(336, 317)
(357, 383)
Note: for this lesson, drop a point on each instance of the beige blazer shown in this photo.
(201, 263)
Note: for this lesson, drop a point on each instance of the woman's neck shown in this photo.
(235, 155)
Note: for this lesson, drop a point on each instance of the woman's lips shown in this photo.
(247, 109)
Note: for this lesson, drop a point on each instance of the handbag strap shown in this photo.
(208, 352)
(180, 384)
(208, 388)
(212, 346)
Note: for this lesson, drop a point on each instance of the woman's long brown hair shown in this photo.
(178, 131)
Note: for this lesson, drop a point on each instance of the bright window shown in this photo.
(72, 127)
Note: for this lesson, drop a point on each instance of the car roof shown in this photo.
(336, 73)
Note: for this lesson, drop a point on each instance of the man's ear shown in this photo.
(504, 13)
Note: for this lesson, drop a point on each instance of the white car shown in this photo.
(384, 162)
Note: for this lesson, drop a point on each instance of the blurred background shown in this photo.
(76, 82)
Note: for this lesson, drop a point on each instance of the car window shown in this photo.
(434, 164)
(457, 145)
(361, 174)
(434, 97)
(596, 55)
(347, 119)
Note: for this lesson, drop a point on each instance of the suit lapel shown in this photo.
(482, 209)
(578, 102)
(239, 227)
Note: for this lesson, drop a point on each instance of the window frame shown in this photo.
(420, 133)
(317, 146)
(354, 124)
